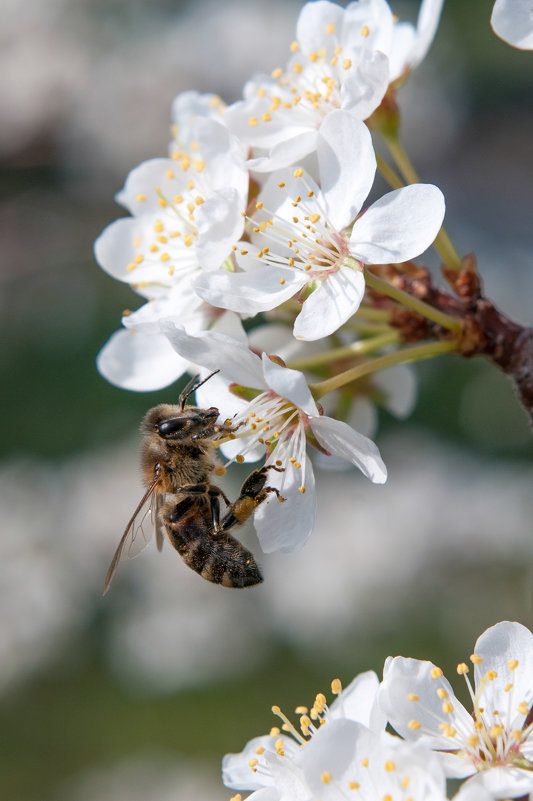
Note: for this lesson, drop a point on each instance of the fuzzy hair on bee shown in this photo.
(178, 463)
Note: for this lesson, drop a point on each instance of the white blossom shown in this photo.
(314, 241)
(279, 421)
(495, 742)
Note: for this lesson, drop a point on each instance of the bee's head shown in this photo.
(171, 423)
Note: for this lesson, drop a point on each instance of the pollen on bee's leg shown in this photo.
(220, 471)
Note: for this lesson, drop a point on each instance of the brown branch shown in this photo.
(486, 331)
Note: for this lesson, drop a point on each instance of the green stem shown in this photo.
(355, 349)
(392, 177)
(415, 353)
(445, 320)
(442, 244)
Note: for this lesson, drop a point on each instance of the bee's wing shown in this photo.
(138, 532)
(156, 520)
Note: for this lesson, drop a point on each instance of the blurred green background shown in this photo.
(141, 693)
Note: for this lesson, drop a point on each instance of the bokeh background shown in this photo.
(139, 695)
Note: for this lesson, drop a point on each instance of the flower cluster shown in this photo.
(261, 208)
(343, 751)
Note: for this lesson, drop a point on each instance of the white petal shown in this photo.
(347, 166)
(398, 226)
(497, 646)
(330, 305)
(287, 152)
(249, 292)
(140, 362)
(341, 440)
(114, 250)
(312, 23)
(220, 225)
(426, 28)
(236, 770)
(290, 384)
(505, 782)
(287, 526)
(405, 678)
(512, 21)
(139, 194)
(365, 86)
(359, 702)
(331, 750)
(217, 352)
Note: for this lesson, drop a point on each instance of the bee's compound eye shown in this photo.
(172, 426)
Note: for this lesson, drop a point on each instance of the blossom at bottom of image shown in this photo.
(494, 743)
(337, 752)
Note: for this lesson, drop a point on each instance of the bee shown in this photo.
(178, 462)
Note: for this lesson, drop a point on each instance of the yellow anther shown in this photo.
(442, 694)
(266, 117)
(199, 200)
(164, 257)
(472, 740)
(277, 73)
(447, 707)
(336, 686)
(436, 673)
(390, 765)
(158, 226)
(261, 92)
(253, 122)
(301, 710)
(140, 198)
(163, 239)
(220, 471)
(163, 203)
(131, 266)
(291, 262)
(405, 782)
(297, 68)
(512, 664)
(237, 797)
(137, 242)
(244, 252)
(259, 204)
(315, 218)
(282, 281)
(365, 31)
(279, 747)
(365, 762)
(330, 27)
(294, 47)
(281, 184)
(178, 199)
(491, 675)
(475, 659)
(259, 750)
(139, 258)
(508, 687)
(298, 172)
(387, 797)
(414, 725)
(354, 785)
(326, 777)
(274, 731)
(170, 174)
(153, 248)
(188, 240)
(516, 734)
(171, 270)
(496, 731)
(413, 697)
(253, 763)
(523, 708)
(462, 668)
(126, 312)
(301, 489)
(262, 226)
(333, 60)
(240, 459)
(347, 63)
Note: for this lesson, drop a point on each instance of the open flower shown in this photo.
(305, 240)
(335, 753)
(341, 59)
(279, 421)
(495, 743)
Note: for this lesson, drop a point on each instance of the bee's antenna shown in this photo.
(192, 386)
